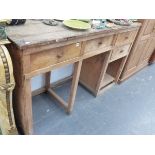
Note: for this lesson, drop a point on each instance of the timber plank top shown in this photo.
(34, 32)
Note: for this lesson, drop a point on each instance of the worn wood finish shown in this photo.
(125, 38)
(36, 33)
(142, 49)
(94, 74)
(58, 98)
(103, 72)
(53, 85)
(68, 106)
(54, 56)
(22, 93)
(108, 79)
(96, 44)
(91, 69)
(75, 80)
(37, 49)
(120, 52)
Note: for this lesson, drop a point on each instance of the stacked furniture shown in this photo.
(142, 49)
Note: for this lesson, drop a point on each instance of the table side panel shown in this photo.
(54, 56)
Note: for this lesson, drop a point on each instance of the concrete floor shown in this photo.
(127, 109)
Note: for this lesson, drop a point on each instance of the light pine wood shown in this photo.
(91, 70)
(52, 85)
(54, 56)
(150, 49)
(39, 91)
(120, 52)
(68, 106)
(121, 67)
(150, 27)
(125, 38)
(96, 44)
(103, 72)
(58, 98)
(135, 56)
(75, 80)
(94, 73)
(107, 80)
(36, 35)
(142, 49)
(38, 49)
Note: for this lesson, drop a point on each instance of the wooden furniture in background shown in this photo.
(142, 49)
(37, 49)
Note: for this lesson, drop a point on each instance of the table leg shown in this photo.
(47, 80)
(75, 80)
(23, 106)
(68, 106)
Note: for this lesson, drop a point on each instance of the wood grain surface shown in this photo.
(36, 33)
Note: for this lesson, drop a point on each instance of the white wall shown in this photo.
(39, 81)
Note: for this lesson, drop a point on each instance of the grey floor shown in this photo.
(128, 108)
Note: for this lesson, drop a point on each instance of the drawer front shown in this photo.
(99, 43)
(54, 56)
(120, 52)
(125, 38)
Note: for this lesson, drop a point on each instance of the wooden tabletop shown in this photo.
(34, 32)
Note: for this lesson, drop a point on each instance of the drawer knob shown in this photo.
(59, 55)
(100, 43)
(121, 51)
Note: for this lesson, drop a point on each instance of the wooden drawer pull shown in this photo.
(59, 55)
(121, 51)
(100, 43)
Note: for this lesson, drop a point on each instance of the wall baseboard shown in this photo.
(53, 85)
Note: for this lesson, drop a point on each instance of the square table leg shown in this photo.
(23, 106)
(68, 106)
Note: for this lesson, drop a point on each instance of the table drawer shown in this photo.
(120, 52)
(125, 38)
(54, 56)
(99, 43)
